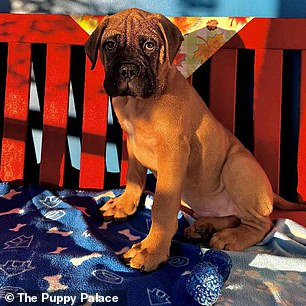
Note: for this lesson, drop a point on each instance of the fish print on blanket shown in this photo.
(16, 267)
(19, 242)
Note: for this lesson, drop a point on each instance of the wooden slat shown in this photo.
(15, 111)
(223, 87)
(94, 129)
(124, 161)
(302, 132)
(296, 216)
(271, 33)
(267, 111)
(55, 115)
(41, 29)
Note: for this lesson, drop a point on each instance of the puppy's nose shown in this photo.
(128, 71)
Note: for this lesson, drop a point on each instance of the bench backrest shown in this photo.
(259, 79)
(245, 90)
(50, 44)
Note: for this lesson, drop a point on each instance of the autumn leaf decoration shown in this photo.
(208, 46)
(185, 24)
(180, 57)
(238, 20)
(88, 23)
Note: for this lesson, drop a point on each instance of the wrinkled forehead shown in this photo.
(131, 27)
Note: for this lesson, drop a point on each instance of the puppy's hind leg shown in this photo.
(250, 190)
(240, 237)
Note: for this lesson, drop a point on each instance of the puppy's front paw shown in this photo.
(119, 208)
(142, 258)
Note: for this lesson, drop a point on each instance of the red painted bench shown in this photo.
(268, 38)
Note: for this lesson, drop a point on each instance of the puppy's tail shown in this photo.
(283, 204)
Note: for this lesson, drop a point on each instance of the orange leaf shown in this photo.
(209, 46)
(238, 20)
(179, 58)
(184, 23)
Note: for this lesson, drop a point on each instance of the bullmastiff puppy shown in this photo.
(171, 131)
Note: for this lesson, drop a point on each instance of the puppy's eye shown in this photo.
(149, 45)
(110, 45)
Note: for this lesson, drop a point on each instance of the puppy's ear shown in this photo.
(93, 43)
(171, 36)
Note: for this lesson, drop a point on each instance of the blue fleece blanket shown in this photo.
(54, 245)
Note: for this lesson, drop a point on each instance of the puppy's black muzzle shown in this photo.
(128, 71)
(129, 76)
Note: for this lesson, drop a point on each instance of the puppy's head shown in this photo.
(137, 49)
